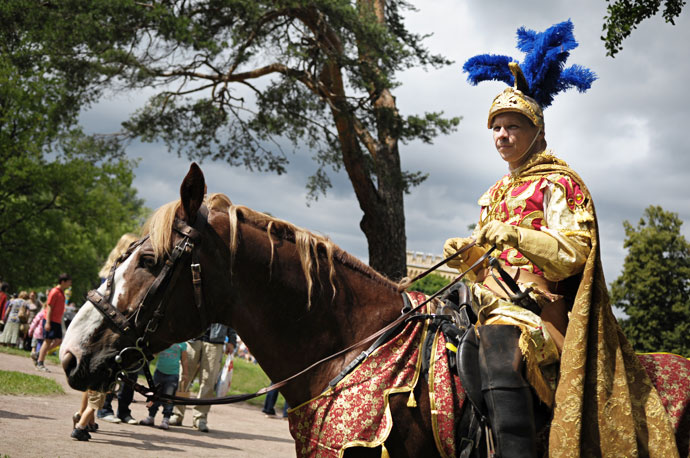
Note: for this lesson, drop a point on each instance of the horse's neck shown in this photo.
(270, 313)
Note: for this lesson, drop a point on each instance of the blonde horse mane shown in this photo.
(308, 244)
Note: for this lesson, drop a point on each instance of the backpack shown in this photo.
(23, 314)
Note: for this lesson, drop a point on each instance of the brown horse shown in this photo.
(293, 297)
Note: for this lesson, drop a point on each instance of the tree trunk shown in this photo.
(383, 222)
(378, 183)
(384, 228)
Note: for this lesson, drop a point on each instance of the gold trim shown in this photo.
(573, 233)
(432, 398)
(387, 413)
(663, 353)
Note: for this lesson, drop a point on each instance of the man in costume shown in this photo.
(541, 220)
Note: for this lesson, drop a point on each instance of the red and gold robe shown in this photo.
(605, 403)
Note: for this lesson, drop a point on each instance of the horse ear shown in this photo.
(192, 192)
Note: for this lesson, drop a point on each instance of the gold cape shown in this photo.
(605, 403)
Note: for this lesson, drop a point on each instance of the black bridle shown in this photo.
(137, 332)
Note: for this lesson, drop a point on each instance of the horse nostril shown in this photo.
(69, 363)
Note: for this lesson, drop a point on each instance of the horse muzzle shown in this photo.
(70, 365)
(81, 377)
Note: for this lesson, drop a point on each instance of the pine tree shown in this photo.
(245, 81)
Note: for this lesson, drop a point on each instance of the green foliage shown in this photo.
(289, 44)
(654, 288)
(429, 284)
(19, 383)
(220, 46)
(63, 216)
(65, 197)
(242, 80)
(623, 16)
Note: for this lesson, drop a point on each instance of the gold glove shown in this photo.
(502, 235)
(464, 260)
(539, 247)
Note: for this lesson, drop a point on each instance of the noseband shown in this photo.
(131, 329)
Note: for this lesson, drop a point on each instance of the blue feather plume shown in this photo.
(489, 67)
(545, 56)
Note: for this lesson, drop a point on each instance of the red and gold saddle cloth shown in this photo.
(356, 412)
(670, 374)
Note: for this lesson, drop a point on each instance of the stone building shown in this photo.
(418, 262)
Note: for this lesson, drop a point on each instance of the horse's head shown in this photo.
(155, 294)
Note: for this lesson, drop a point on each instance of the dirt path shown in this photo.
(40, 426)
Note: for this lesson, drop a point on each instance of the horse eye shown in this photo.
(148, 262)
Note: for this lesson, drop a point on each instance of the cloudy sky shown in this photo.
(625, 136)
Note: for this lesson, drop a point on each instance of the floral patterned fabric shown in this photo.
(356, 412)
(605, 403)
(555, 205)
(670, 374)
(446, 398)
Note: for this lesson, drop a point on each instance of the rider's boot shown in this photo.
(507, 394)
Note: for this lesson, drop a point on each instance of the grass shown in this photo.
(246, 378)
(249, 378)
(21, 384)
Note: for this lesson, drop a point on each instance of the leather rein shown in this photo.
(138, 332)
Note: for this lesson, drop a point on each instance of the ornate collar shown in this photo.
(543, 157)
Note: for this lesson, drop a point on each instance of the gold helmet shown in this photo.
(544, 72)
(513, 99)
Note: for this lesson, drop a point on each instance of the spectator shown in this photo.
(4, 298)
(34, 307)
(54, 309)
(125, 396)
(36, 332)
(16, 312)
(68, 316)
(83, 421)
(270, 403)
(204, 355)
(166, 375)
(243, 352)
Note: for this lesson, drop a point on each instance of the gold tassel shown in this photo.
(384, 452)
(411, 401)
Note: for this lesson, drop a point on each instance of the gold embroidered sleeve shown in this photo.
(569, 224)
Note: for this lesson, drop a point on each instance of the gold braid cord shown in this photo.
(605, 403)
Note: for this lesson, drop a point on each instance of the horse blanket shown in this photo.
(670, 374)
(356, 411)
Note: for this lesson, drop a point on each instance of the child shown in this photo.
(37, 333)
(166, 374)
(83, 421)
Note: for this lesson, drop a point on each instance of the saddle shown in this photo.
(457, 324)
